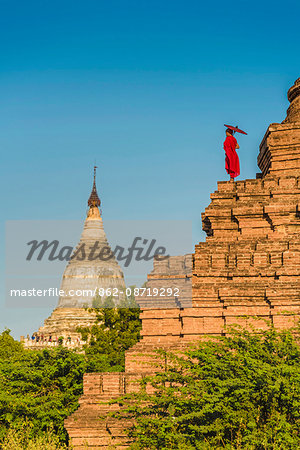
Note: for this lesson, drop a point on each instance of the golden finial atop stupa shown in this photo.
(94, 201)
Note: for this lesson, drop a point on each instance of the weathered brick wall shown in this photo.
(246, 272)
(85, 427)
(250, 263)
(90, 427)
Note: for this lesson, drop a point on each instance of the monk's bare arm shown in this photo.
(237, 146)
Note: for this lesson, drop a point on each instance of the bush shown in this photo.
(42, 387)
(241, 391)
(117, 329)
(22, 438)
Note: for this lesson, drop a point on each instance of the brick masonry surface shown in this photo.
(247, 272)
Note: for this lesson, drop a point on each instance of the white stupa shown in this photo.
(84, 273)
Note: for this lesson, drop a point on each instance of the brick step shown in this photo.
(102, 447)
(96, 421)
(100, 444)
(88, 398)
(82, 437)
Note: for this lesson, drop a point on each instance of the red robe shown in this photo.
(232, 164)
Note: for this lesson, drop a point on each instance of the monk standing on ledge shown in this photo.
(232, 164)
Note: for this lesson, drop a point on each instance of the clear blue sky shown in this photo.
(143, 87)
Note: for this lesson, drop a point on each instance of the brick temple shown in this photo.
(246, 271)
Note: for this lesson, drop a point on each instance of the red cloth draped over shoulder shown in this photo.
(232, 164)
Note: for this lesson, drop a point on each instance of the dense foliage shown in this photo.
(41, 387)
(237, 392)
(21, 437)
(241, 391)
(117, 329)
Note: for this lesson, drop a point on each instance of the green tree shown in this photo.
(241, 391)
(20, 438)
(8, 346)
(116, 330)
(41, 387)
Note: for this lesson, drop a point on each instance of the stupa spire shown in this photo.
(94, 201)
(280, 148)
(293, 112)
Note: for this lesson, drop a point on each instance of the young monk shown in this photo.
(232, 164)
